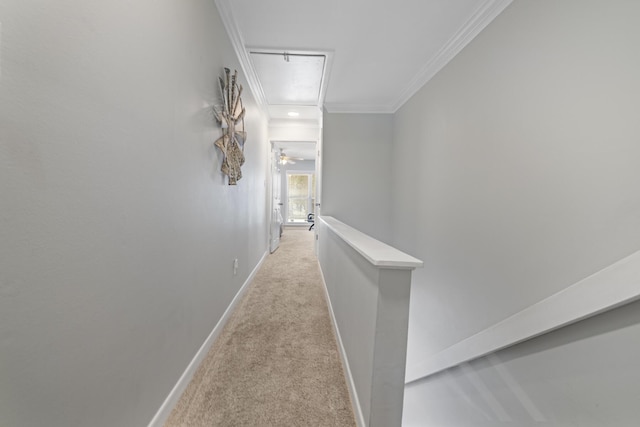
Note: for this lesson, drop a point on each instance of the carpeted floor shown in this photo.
(276, 362)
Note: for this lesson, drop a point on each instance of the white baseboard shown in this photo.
(163, 413)
(355, 402)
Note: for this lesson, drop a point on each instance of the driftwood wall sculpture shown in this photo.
(231, 117)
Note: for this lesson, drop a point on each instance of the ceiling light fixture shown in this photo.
(293, 114)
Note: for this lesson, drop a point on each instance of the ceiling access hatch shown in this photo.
(290, 78)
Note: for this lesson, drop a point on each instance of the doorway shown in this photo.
(300, 196)
(290, 206)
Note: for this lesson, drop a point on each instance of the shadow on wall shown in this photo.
(546, 381)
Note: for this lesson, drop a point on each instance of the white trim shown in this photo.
(376, 252)
(609, 288)
(244, 57)
(355, 402)
(233, 31)
(486, 13)
(176, 392)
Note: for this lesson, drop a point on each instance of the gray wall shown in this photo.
(117, 229)
(352, 193)
(586, 374)
(516, 175)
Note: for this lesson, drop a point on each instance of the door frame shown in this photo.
(275, 220)
(274, 148)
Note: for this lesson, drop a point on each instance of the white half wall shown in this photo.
(368, 285)
(118, 229)
(515, 176)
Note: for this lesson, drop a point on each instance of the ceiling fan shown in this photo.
(284, 159)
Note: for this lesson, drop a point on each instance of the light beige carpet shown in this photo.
(276, 362)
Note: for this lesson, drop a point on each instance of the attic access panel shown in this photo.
(289, 79)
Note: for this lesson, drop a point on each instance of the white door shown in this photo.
(276, 203)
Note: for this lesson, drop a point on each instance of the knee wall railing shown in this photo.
(368, 286)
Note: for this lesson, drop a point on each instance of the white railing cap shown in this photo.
(376, 252)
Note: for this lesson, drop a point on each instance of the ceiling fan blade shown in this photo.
(284, 159)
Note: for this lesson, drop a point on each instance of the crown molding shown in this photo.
(486, 13)
(231, 25)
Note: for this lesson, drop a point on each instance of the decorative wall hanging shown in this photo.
(231, 117)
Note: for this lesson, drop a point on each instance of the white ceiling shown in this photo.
(379, 53)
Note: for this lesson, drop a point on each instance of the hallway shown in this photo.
(502, 155)
(276, 361)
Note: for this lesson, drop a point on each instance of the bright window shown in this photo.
(300, 196)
